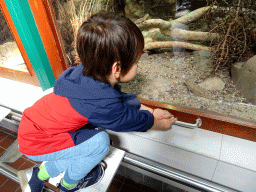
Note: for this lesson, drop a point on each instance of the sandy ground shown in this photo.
(161, 77)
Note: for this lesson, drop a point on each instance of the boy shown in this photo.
(61, 127)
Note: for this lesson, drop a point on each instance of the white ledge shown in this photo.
(17, 95)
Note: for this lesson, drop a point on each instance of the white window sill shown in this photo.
(17, 95)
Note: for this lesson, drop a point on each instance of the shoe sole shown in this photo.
(104, 164)
(24, 177)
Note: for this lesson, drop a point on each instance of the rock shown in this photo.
(246, 80)
(203, 61)
(213, 84)
(197, 90)
(236, 70)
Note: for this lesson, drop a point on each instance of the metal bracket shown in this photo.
(189, 125)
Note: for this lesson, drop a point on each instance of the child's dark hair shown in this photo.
(106, 38)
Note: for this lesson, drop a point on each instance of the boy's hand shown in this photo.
(164, 120)
(162, 114)
(166, 124)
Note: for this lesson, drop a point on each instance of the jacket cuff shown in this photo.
(150, 121)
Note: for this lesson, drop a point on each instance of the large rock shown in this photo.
(245, 79)
(213, 84)
(236, 70)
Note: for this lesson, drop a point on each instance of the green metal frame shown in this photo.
(25, 24)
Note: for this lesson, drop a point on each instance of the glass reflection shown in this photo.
(10, 56)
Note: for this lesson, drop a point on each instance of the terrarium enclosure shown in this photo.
(198, 59)
(192, 59)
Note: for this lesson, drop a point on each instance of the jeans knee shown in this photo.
(104, 142)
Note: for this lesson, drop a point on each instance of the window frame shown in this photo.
(44, 18)
(12, 74)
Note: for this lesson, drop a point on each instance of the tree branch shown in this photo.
(168, 44)
(192, 16)
(171, 28)
(161, 24)
(181, 34)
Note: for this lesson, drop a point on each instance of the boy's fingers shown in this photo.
(173, 119)
(164, 117)
(167, 116)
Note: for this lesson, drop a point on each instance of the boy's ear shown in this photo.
(116, 69)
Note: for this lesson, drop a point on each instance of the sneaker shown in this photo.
(90, 180)
(29, 181)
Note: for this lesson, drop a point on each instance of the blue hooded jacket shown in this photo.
(71, 114)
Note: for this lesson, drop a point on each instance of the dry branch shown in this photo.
(168, 44)
(190, 35)
(235, 26)
(155, 35)
(176, 32)
(192, 16)
(171, 28)
(159, 23)
(154, 23)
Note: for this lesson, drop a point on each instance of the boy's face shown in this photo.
(130, 75)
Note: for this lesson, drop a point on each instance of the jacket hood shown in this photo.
(73, 84)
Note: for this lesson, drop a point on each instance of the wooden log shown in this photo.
(181, 34)
(168, 44)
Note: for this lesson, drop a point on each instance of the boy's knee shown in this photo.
(104, 141)
(105, 137)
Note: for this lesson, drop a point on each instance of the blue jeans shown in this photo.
(76, 161)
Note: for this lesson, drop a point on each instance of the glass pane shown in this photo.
(10, 56)
(203, 59)
(70, 14)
